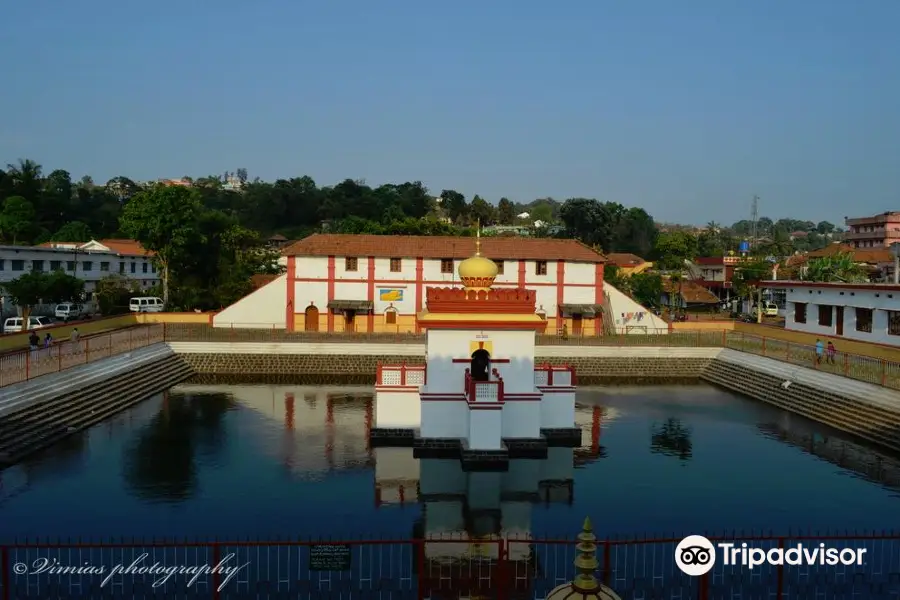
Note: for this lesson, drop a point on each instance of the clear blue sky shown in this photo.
(684, 108)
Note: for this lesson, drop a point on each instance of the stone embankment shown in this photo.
(43, 411)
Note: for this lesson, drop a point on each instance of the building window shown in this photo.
(446, 265)
(396, 265)
(70, 265)
(144, 267)
(87, 265)
(499, 264)
(152, 268)
(37, 265)
(390, 317)
(121, 267)
(864, 319)
(2, 265)
(104, 266)
(55, 265)
(799, 312)
(540, 267)
(18, 265)
(826, 312)
(351, 264)
(893, 322)
(133, 267)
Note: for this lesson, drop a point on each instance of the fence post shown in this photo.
(699, 338)
(787, 352)
(420, 564)
(779, 591)
(59, 348)
(764, 346)
(130, 340)
(724, 339)
(165, 333)
(87, 350)
(883, 372)
(500, 578)
(5, 580)
(846, 365)
(109, 346)
(215, 561)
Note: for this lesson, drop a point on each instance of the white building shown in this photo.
(369, 283)
(90, 262)
(868, 312)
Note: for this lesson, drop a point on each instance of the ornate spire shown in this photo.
(478, 237)
(586, 561)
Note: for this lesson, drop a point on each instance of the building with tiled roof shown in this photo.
(627, 263)
(687, 294)
(89, 261)
(371, 283)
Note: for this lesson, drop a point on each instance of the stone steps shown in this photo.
(874, 423)
(38, 426)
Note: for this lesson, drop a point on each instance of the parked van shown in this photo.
(769, 309)
(146, 304)
(14, 324)
(71, 312)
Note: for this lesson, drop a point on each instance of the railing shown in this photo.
(401, 375)
(550, 375)
(484, 391)
(16, 367)
(435, 567)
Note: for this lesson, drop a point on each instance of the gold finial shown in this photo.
(586, 561)
(478, 237)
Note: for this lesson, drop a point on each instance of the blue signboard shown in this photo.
(744, 247)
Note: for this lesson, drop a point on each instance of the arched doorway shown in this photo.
(481, 365)
(312, 318)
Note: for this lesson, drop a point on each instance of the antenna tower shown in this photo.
(754, 220)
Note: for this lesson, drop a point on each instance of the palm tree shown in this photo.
(836, 268)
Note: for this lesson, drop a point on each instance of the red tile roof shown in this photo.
(692, 292)
(413, 246)
(624, 259)
(860, 255)
(130, 247)
(710, 260)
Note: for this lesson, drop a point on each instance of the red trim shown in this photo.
(370, 318)
(598, 284)
(442, 397)
(396, 388)
(501, 361)
(485, 406)
(496, 284)
(560, 282)
(420, 279)
(331, 278)
(521, 282)
(546, 389)
(485, 325)
(500, 301)
(875, 287)
(289, 308)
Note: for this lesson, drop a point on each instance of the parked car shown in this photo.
(769, 309)
(146, 304)
(71, 312)
(14, 324)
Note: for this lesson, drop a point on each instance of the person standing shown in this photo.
(830, 352)
(820, 351)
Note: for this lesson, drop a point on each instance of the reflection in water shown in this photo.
(291, 460)
(671, 439)
(160, 464)
(862, 461)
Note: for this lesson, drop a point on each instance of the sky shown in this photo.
(687, 109)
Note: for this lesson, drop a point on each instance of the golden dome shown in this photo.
(478, 272)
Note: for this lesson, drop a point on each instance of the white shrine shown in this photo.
(479, 395)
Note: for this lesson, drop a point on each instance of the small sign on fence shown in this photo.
(329, 557)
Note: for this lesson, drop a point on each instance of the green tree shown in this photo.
(746, 281)
(647, 288)
(506, 212)
(482, 211)
(27, 290)
(454, 205)
(17, 218)
(75, 231)
(59, 286)
(673, 248)
(114, 293)
(836, 268)
(164, 220)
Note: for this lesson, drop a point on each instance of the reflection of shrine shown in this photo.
(465, 514)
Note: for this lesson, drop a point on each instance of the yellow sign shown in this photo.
(390, 295)
(482, 345)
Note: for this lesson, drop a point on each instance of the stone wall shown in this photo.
(344, 368)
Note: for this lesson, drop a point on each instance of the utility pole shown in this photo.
(754, 220)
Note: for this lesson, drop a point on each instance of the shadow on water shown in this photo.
(161, 464)
(671, 438)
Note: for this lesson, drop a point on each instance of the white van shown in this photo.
(147, 304)
(769, 309)
(14, 324)
(71, 312)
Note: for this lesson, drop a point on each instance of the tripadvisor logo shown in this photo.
(695, 555)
